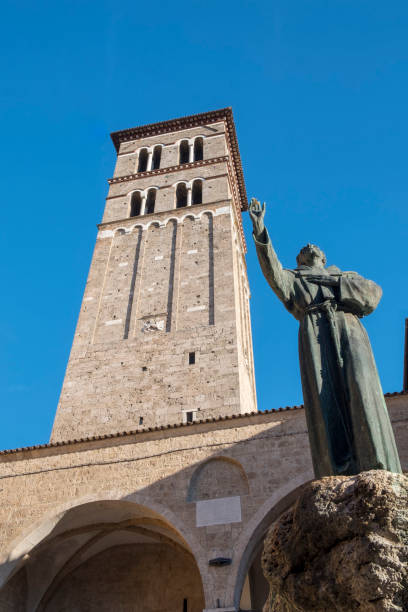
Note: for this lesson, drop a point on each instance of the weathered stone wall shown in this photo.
(215, 188)
(224, 515)
(213, 140)
(161, 286)
(153, 296)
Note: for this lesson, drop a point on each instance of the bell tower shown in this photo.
(164, 332)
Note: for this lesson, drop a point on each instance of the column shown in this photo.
(189, 194)
(149, 160)
(191, 151)
(143, 204)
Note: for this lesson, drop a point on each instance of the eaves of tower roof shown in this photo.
(145, 430)
(182, 123)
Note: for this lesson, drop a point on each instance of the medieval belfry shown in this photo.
(161, 477)
(164, 334)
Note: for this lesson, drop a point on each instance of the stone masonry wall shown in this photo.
(153, 296)
(164, 289)
(213, 140)
(158, 470)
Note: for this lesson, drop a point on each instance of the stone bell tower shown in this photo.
(164, 333)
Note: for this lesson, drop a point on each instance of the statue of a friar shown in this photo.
(348, 423)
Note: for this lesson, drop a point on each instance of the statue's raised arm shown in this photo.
(348, 423)
(280, 280)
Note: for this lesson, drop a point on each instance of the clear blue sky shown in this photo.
(319, 93)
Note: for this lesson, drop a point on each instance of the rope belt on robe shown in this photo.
(329, 308)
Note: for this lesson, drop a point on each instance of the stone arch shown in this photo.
(206, 212)
(218, 477)
(175, 219)
(153, 224)
(250, 542)
(190, 216)
(79, 530)
(119, 231)
(139, 226)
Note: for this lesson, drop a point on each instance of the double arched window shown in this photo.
(190, 193)
(149, 158)
(143, 202)
(191, 150)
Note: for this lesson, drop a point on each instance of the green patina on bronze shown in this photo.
(348, 423)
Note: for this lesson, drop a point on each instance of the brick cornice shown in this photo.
(172, 212)
(197, 164)
(182, 123)
(201, 422)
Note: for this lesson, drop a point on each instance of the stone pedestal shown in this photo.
(342, 546)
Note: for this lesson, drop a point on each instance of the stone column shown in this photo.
(143, 204)
(191, 152)
(189, 195)
(149, 160)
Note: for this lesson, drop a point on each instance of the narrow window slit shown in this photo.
(198, 149)
(184, 152)
(181, 195)
(156, 157)
(143, 158)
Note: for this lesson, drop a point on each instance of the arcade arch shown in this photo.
(111, 552)
(247, 587)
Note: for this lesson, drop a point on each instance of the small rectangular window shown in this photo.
(144, 369)
(189, 417)
(191, 358)
(140, 420)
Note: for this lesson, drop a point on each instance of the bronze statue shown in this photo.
(348, 423)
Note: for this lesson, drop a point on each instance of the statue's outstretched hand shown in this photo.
(257, 214)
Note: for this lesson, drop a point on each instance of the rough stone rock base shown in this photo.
(342, 546)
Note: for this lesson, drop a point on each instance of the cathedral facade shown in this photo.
(161, 476)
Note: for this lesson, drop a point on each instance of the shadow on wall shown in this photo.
(165, 547)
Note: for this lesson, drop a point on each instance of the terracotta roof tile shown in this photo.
(162, 427)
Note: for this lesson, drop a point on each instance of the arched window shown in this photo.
(135, 204)
(181, 195)
(143, 157)
(150, 201)
(198, 149)
(157, 151)
(197, 195)
(184, 152)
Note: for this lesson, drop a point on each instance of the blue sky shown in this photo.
(319, 93)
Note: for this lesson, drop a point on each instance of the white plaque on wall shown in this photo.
(219, 511)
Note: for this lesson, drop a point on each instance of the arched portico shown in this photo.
(80, 551)
(249, 546)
